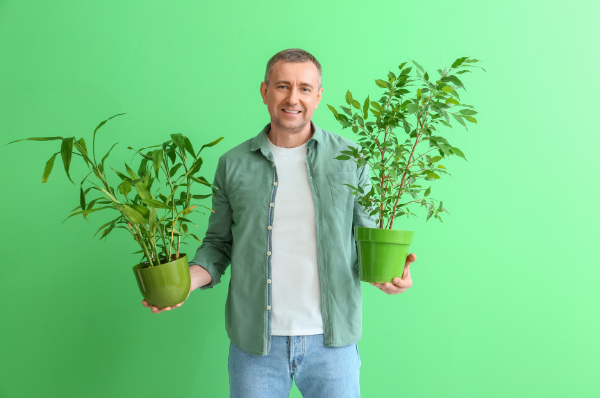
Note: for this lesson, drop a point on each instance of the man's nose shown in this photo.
(293, 97)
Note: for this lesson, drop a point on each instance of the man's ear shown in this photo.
(263, 92)
(319, 96)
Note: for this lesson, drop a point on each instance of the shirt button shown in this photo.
(268, 307)
(275, 184)
(270, 227)
(268, 281)
(268, 253)
(272, 204)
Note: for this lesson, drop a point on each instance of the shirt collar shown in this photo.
(260, 141)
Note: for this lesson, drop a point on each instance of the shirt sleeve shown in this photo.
(214, 254)
(361, 216)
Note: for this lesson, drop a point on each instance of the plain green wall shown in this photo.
(505, 298)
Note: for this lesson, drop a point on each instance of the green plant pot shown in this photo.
(381, 253)
(166, 284)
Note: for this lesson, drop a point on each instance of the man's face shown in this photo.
(292, 95)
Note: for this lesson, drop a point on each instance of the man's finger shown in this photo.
(402, 283)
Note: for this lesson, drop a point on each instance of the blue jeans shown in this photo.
(318, 371)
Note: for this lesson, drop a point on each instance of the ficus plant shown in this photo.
(157, 221)
(400, 138)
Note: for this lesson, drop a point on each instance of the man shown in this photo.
(284, 221)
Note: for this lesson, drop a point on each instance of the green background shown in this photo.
(505, 298)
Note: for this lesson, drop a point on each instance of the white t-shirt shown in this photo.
(296, 303)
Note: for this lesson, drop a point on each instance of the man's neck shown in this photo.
(286, 139)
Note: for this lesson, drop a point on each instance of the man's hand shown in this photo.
(400, 284)
(156, 310)
(199, 276)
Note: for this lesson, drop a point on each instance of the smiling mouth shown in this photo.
(291, 112)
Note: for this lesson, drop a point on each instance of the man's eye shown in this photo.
(281, 86)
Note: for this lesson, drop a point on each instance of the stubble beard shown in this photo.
(299, 127)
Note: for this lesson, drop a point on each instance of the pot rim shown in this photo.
(383, 235)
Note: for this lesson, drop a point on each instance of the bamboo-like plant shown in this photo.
(395, 164)
(139, 215)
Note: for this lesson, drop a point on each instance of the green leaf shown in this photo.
(356, 104)
(428, 191)
(343, 157)
(418, 66)
(143, 210)
(139, 186)
(440, 208)
(458, 119)
(429, 214)
(418, 94)
(86, 212)
(401, 65)
(152, 219)
(157, 159)
(452, 101)
(467, 112)
(348, 97)
(202, 181)
(174, 169)
(471, 119)
(412, 108)
(458, 62)
(431, 174)
(215, 142)
(366, 108)
(130, 172)
(332, 109)
(48, 168)
(189, 147)
(81, 197)
(441, 167)
(347, 110)
(406, 126)
(121, 175)
(447, 89)
(134, 215)
(393, 175)
(381, 83)
(106, 225)
(376, 105)
(458, 152)
(426, 76)
(179, 141)
(37, 139)
(195, 167)
(153, 203)
(100, 125)
(84, 147)
(107, 153)
(436, 159)
(66, 152)
(125, 187)
(202, 196)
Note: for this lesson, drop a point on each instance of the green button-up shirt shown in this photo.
(240, 234)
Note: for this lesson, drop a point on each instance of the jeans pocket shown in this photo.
(341, 195)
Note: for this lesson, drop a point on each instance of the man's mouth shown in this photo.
(291, 112)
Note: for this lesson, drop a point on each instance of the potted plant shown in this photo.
(402, 119)
(157, 222)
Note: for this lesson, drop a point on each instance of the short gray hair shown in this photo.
(292, 55)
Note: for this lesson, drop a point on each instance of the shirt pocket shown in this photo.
(341, 195)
